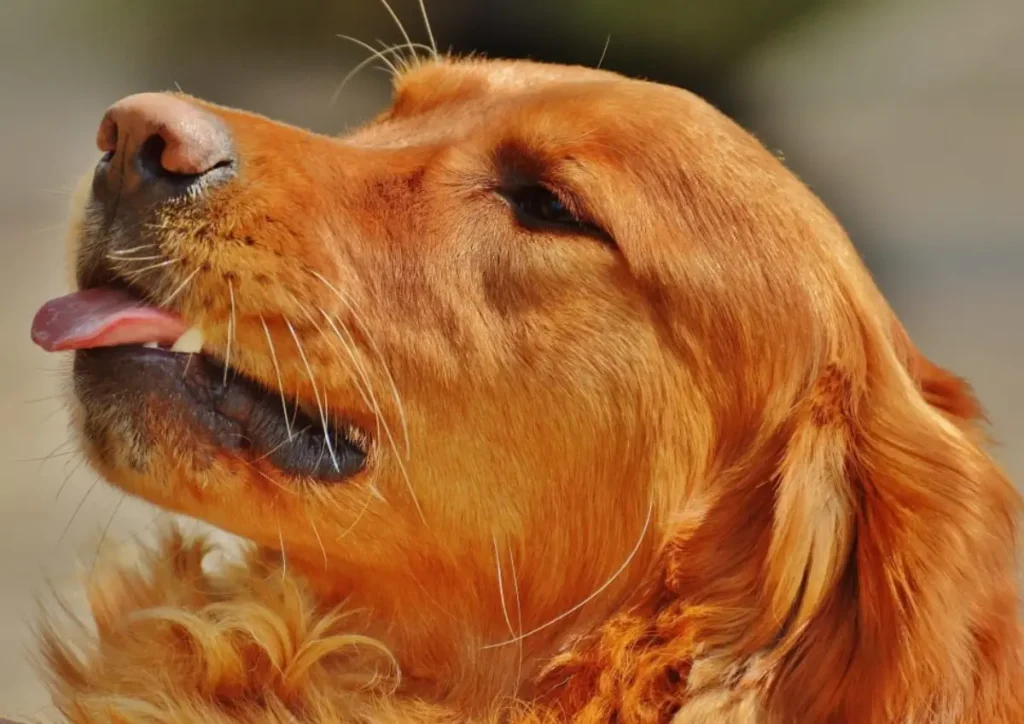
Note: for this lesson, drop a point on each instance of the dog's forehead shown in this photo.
(496, 90)
(464, 79)
(447, 101)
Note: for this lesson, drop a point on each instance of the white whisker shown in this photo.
(351, 74)
(426, 23)
(369, 399)
(394, 448)
(378, 53)
(394, 16)
(231, 332)
(519, 611)
(592, 596)
(119, 252)
(70, 475)
(376, 492)
(134, 273)
(381, 420)
(604, 53)
(376, 350)
(63, 193)
(316, 532)
(78, 509)
(284, 554)
(268, 478)
(398, 400)
(504, 607)
(153, 257)
(280, 445)
(404, 61)
(56, 452)
(501, 587)
(320, 457)
(181, 287)
(362, 383)
(316, 394)
(103, 537)
(43, 460)
(366, 506)
(280, 381)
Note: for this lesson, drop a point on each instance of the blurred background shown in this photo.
(906, 116)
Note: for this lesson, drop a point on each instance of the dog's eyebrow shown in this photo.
(518, 163)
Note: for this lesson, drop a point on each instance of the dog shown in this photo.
(546, 396)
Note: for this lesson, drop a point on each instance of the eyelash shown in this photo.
(538, 207)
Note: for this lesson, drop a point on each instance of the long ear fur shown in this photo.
(893, 554)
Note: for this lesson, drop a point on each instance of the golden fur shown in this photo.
(700, 475)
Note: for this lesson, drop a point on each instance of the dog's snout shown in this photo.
(157, 145)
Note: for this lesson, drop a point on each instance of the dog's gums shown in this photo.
(546, 396)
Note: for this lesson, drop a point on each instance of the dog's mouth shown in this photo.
(130, 355)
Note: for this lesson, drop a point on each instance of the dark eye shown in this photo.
(537, 207)
(538, 204)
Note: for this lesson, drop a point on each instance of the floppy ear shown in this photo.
(945, 392)
(892, 560)
(856, 564)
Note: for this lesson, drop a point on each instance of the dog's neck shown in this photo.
(455, 643)
(643, 647)
(659, 657)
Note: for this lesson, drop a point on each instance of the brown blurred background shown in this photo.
(906, 116)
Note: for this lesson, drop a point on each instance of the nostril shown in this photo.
(149, 158)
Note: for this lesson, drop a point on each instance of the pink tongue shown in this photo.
(102, 318)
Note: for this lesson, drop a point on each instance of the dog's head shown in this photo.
(535, 344)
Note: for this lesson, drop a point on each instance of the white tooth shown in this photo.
(189, 343)
(151, 345)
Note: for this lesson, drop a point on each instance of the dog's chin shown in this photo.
(133, 397)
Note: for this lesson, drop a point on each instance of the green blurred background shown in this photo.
(906, 116)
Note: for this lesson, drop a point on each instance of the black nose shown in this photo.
(157, 146)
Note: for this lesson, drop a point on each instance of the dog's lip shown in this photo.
(221, 406)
